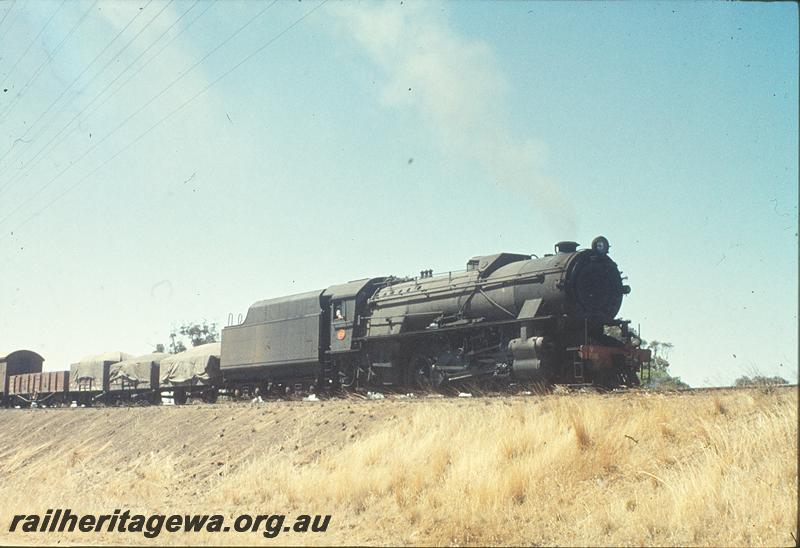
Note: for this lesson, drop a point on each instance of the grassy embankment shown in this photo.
(690, 469)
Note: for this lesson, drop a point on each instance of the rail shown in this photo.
(421, 397)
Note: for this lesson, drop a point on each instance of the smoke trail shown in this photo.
(458, 91)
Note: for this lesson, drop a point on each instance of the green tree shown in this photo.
(200, 333)
(760, 380)
(196, 333)
(176, 345)
(659, 376)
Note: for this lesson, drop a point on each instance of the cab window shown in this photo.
(339, 311)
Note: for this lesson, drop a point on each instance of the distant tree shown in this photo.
(195, 332)
(176, 346)
(760, 380)
(659, 364)
(659, 376)
(614, 331)
(200, 333)
(667, 382)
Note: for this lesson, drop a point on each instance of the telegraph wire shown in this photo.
(11, 7)
(50, 57)
(33, 161)
(92, 79)
(11, 25)
(30, 45)
(168, 116)
(140, 109)
(64, 91)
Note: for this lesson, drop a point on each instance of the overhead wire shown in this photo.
(34, 160)
(77, 78)
(141, 108)
(169, 115)
(145, 105)
(11, 24)
(32, 42)
(49, 58)
(89, 83)
(11, 7)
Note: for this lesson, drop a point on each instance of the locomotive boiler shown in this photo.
(506, 317)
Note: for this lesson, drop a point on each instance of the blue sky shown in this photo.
(384, 138)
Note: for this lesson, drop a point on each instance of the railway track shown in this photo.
(419, 398)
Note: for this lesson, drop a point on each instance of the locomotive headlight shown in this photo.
(600, 245)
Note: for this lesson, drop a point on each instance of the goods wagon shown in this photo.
(194, 372)
(17, 363)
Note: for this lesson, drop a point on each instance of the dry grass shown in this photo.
(689, 469)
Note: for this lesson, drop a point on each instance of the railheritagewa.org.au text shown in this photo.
(65, 521)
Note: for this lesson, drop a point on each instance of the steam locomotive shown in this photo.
(506, 318)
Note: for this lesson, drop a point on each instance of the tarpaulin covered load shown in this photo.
(91, 373)
(196, 366)
(140, 373)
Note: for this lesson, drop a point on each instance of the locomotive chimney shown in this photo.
(566, 247)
